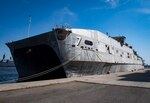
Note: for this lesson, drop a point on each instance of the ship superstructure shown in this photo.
(78, 51)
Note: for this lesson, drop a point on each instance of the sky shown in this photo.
(130, 18)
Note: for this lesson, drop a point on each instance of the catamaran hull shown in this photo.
(45, 56)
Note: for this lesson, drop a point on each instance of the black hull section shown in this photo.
(35, 55)
(36, 60)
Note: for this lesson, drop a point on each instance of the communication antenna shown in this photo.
(29, 25)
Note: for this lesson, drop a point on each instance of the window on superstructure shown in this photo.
(128, 55)
(108, 49)
(73, 45)
(87, 42)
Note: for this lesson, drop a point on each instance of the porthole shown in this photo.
(82, 47)
(73, 45)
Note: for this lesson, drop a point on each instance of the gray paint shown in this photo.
(88, 60)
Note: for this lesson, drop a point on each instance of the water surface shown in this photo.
(8, 75)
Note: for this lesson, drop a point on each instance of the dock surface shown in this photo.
(129, 87)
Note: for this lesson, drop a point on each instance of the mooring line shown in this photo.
(41, 73)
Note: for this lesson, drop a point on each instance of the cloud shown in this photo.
(98, 8)
(116, 3)
(64, 16)
(65, 11)
(144, 10)
(113, 3)
(109, 4)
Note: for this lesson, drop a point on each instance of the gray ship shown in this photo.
(65, 52)
(6, 62)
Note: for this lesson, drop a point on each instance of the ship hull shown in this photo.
(45, 57)
(81, 68)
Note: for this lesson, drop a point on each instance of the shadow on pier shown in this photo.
(139, 77)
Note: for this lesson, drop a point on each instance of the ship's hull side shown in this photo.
(46, 51)
(80, 68)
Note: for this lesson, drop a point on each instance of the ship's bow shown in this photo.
(36, 57)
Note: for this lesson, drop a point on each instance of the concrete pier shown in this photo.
(125, 87)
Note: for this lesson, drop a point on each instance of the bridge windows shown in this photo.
(87, 42)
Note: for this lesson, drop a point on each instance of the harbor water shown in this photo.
(8, 75)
